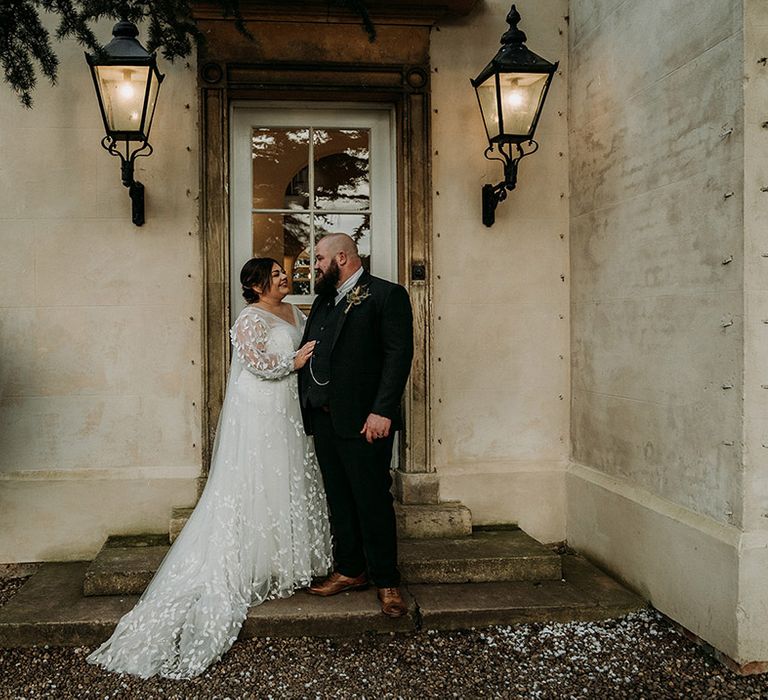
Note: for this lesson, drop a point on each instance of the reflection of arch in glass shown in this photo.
(341, 183)
(296, 255)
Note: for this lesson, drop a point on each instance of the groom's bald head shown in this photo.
(334, 243)
(336, 260)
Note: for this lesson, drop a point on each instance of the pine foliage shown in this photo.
(25, 44)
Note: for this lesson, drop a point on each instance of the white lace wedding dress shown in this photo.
(259, 531)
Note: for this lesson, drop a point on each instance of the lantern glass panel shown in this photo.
(486, 96)
(123, 89)
(154, 86)
(520, 99)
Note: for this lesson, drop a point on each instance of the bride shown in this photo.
(260, 529)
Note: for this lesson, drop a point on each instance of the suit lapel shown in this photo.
(365, 279)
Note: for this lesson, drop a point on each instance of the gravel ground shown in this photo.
(8, 588)
(636, 656)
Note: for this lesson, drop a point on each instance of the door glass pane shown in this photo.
(342, 180)
(285, 237)
(356, 225)
(280, 158)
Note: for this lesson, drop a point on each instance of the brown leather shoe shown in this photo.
(392, 603)
(338, 583)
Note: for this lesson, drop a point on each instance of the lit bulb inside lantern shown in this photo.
(125, 90)
(515, 99)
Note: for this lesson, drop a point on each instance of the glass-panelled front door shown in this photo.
(301, 173)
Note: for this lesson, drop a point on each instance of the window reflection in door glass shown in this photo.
(294, 204)
(278, 157)
(356, 225)
(285, 237)
(341, 169)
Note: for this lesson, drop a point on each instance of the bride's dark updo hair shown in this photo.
(256, 272)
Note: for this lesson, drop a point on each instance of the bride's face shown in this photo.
(278, 288)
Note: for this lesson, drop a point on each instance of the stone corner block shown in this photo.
(417, 489)
(450, 519)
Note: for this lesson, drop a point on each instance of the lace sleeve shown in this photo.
(249, 339)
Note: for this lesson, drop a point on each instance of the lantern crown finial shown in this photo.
(125, 46)
(513, 35)
(125, 30)
(514, 55)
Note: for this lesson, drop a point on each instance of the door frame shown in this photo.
(405, 88)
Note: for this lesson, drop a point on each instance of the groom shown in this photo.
(350, 401)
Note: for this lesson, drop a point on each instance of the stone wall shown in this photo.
(99, 320)
(501, 346)
(668, 417)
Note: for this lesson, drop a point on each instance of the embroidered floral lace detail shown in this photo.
(251, 341)
(259, 531)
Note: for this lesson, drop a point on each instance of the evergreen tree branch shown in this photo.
(25, 44)
(24, 41)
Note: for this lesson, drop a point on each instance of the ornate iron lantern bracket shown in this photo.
(493, 195)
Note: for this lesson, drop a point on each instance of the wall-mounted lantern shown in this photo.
(127, 81)
(511, 91)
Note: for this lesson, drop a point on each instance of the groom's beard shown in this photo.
(326, 285)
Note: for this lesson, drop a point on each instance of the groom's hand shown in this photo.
(376, 427)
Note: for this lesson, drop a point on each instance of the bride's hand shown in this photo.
(303, 354)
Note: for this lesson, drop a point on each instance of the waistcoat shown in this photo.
(318, 370)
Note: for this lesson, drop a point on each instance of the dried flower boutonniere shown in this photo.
(356, 296)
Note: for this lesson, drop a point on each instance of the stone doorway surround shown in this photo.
(317, 51)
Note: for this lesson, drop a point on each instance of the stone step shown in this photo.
(585, 593)
(447, 519)
(482, 557)
(51, 608)
(179, 517)
(125, 565)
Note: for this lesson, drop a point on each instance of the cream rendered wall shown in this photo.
(667, 486)
(752, 611)
(650, 229)
(500, 367)
(99, 320)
